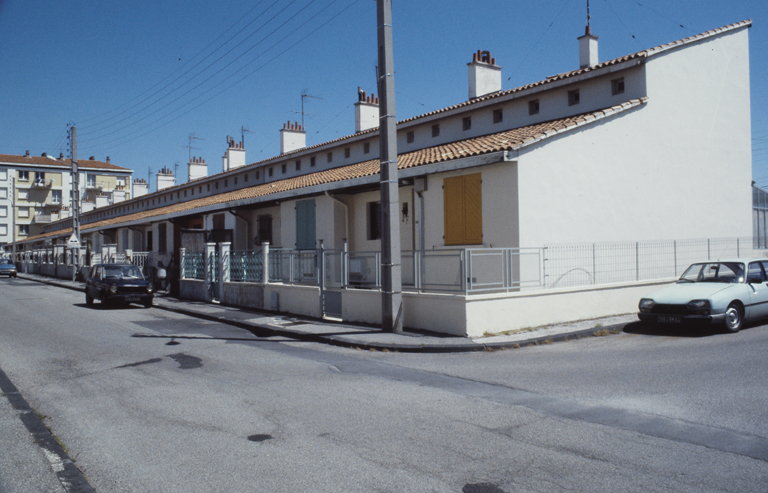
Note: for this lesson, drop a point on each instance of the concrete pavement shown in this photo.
(328, 331)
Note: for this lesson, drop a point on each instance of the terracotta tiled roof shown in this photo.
(503, 141)
(66, 163)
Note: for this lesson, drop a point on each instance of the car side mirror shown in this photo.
(755, 280)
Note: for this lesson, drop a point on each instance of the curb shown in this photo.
(269, 331)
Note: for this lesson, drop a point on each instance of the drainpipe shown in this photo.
(346, 214)
(247, 236)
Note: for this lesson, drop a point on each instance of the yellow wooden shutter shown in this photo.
(463, 210)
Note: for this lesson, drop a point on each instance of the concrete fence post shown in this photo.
(210, 251)
(265, 262)
(183, 254)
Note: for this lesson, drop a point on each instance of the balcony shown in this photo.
(42, 183)
(93, 185)
(42, 218)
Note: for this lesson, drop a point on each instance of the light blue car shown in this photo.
(730, 292)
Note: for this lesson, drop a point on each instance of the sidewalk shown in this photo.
(267, 324)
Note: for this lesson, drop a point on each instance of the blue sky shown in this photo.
(137, 78)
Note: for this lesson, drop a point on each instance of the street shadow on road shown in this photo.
(108, 306)
(649, 329)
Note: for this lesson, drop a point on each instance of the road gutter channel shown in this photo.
(260, 330)
(70, 477)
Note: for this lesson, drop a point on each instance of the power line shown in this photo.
(246, 76)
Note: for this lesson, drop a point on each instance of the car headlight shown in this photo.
(646, 305)
(113, 289)
(701, 307)
(149, 288)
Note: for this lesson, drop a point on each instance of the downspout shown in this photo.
(346, 214)
(247, 235)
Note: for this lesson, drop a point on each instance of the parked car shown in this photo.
(119, 283)
(7, 267)
(728, 292)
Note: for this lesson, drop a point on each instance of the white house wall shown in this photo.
(676, 167)
(358, 220)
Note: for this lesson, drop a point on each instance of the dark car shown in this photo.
(118, 283)
(7, 267)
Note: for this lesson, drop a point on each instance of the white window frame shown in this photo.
(3, 193)
(23, 211)
(3, 230)
(3, 211)
(3, 174)
(23, 194)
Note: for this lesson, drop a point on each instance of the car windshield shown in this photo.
(122, 272)
(5, 261)
(729, 272)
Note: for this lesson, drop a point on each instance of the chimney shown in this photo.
(234, 157)
(366, 111)
(197, 168)
(165, 178)
(27, 155)
(92, 158)
(102, 201)
(86, 206)
(140, 187)
(107, 159)
(45, 154)
(588, 49)
(118, 196)
(61, 155)
(292, 137)
(484, 75)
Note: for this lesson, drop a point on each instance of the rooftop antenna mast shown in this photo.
(189, 146)
(149, 177)
(243, 130)
(589, 17)
(303, 96)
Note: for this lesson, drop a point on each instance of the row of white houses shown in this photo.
(655, 145)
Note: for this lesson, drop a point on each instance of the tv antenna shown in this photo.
(243, 131)
(190, 147)
(304, 95)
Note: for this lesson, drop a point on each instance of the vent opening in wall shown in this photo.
(617, 86)
(533, 107)
(573, 97)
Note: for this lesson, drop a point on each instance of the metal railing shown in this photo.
(246, 266)
(193, 266)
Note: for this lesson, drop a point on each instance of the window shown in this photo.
(466, 123)
(284, 168)
(374, 220)
(185, 192)
(23, 194)
(3, 193)
(162, 239)
(409, 137)
(366, 148)
(39, 175)
(755, 272)
(573, 97)
(56, 196)
(435, 130)
(617, 86)
(226, 182)
(271, 171)
(90, 181)
(257, 175)
(330, 157)
(23, 229)
(245, 178)
(312, 162)
(463, 210)
(347, 152)
(498, 115)
(3, 211)
(209, 187)
(298, 165)
(216, 186)
(3, 175)
(264, 229)
(199, 190)
(23, 211)
(3, 229)
(23, 175)
(533, 107)
(235, 180)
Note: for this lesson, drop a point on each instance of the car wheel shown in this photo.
(734, 318)
(88, 299)
(148, 304)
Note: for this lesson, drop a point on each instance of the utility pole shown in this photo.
(391, 281)
(75, 202)
(13, 217)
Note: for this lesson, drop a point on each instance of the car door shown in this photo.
(758, 303)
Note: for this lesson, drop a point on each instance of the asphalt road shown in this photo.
(149, 400)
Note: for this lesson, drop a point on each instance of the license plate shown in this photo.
(670, 320)
(133, 299)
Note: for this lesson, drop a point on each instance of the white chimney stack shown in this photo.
(588, 49)
(366, 111)
(165, 178)
(140, 187)
(235, 155)
(197, 168)
(484, 75)
(292, 137)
